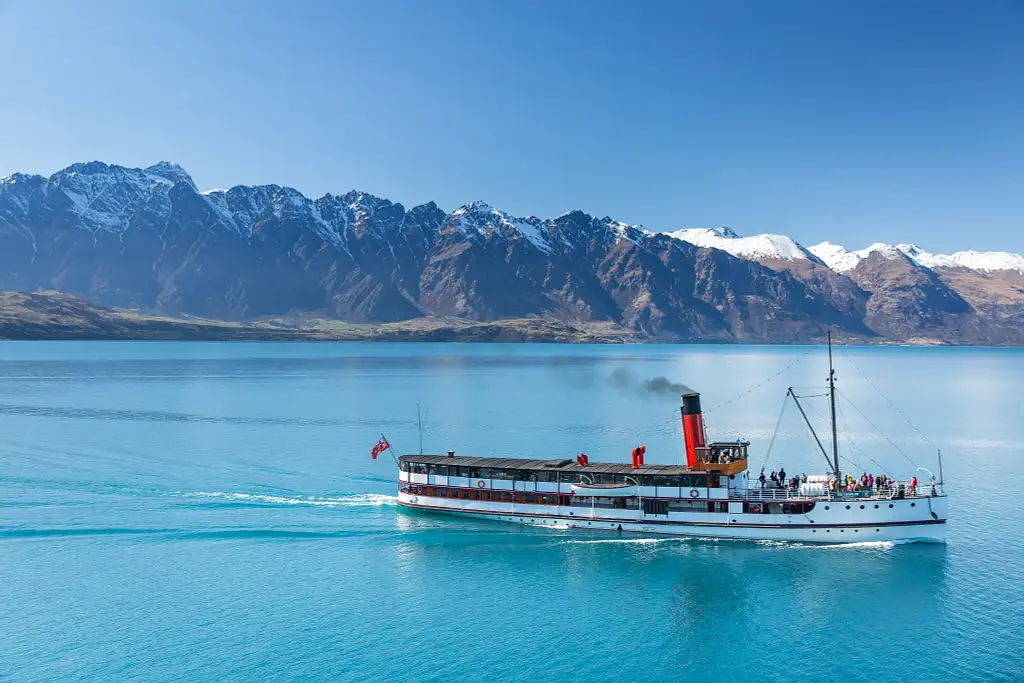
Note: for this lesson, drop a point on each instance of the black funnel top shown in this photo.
(691, 404)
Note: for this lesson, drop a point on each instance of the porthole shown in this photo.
(826, 507)
(876, 506)
(877, 529)
(814, 531)
(856, 531)
(828, 531)
(890, 504)
(847, 507)
(913, 504)
(861, 507)
(842, 531)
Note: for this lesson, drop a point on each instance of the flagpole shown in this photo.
(390, 449)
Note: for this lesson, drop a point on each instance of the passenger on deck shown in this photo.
(782, 475)
(831, 484)
(761, 478)
(803, 478)
(871, 482)
(775, 478)
(913, 486)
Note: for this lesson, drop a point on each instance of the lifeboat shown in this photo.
(606, 490)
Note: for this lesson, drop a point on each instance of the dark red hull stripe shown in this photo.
(572, 518)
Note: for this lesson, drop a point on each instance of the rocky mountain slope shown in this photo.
(149, 239)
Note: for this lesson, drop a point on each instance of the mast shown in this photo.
(419, 425)
(832, 401)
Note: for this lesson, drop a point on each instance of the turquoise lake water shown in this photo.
(194, 511)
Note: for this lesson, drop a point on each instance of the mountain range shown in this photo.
(149, 240)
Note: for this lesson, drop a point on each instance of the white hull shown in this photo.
(837, 524)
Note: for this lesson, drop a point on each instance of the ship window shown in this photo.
(530, 498)
(404, 466)
(483, 473)
(547, 475)
(419, 468)
(473, 473)
(663, 480)
(503, 474)
(568, 476)
(655, 507)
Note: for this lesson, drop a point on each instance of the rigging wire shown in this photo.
(825, 419)
(853, 445)
(877, 429)
(778, 423)
(846, 433)
(891, 404)
(759, 385)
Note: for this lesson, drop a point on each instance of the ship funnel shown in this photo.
(693, 427)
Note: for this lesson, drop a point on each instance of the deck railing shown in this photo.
(923, 490)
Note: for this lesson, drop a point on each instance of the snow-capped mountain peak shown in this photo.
(169, 171)
(843, 260)
(767, 246)
(481, 219)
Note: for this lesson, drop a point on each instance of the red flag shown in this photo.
(380, 446)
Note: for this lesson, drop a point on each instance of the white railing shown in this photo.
(889, 492)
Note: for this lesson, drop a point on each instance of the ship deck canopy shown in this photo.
(555, 465)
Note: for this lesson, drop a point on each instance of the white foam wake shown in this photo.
(357, 499)
(623, 541)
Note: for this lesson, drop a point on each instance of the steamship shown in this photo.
(710, 496)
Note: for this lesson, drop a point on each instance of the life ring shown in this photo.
(694, 493)
(480, 484)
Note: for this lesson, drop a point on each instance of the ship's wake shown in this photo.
(350, 500)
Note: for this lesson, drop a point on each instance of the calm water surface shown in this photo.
(192, 511)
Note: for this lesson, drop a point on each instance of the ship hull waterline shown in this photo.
(920, 530)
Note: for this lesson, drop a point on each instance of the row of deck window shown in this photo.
(651, 506)
(563, 476)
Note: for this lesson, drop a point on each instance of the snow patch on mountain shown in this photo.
(843, 260)
(767, 246)
(481, 219)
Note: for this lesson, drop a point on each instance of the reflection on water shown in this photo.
(209, 511)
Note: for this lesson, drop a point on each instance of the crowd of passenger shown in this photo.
(779, 480)
(880, 485)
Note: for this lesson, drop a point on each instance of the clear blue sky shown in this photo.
(854, 121)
